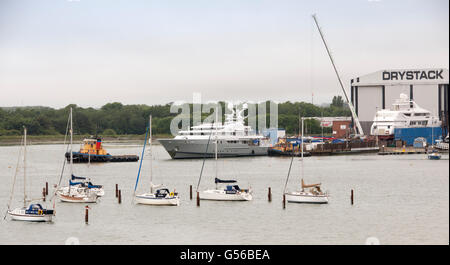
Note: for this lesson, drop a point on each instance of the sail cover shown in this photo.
(224, 181)
(75, 177)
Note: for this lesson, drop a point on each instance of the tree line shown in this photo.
(118, 119)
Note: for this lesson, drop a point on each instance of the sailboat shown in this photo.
(80, 193)
(162, 196)
(229, 192)
(311, 193)
(82, 182)
(34, 212)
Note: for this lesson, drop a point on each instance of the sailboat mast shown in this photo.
(24, 166)
(216, 122)
(303, 119)
(71, 143)
(151, 150)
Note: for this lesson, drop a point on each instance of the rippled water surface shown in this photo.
(398, 199)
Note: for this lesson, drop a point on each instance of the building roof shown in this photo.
(403, 76)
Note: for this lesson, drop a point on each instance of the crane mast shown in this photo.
(352, 109)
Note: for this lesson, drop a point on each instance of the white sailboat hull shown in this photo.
(304, 197)
(97, 191)
(77, 198)
(221, 195)
(20, 215)
(150, 199)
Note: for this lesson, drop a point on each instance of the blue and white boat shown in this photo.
(162, 196)
(434, 155)
(34, 212)
(81, 182)
(229, 193)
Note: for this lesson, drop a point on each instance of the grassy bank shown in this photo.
(59, 139)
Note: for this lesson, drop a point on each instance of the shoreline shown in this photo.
(59, 139)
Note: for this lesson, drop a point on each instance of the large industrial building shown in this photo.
(376, 91)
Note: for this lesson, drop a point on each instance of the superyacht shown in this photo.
(234, 138)
(405, 113)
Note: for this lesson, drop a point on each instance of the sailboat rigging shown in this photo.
(230, 192)
(34, 212)
(81, 191)
(162, 196)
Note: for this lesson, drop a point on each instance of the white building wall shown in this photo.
(369, 99)
(426, 96)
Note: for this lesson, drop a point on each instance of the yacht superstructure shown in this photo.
(404, 113)
(234, 138)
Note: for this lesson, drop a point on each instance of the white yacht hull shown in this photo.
(181, 148)
(221, 195)
(152, 200)
(20, 215)
(303, 197)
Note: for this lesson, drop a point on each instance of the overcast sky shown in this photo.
(91, 52)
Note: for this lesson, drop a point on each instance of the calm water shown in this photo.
(398, 199)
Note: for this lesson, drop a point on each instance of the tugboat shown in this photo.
(92, 151)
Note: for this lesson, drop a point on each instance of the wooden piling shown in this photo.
(269, 195)
(351, 197)
(43, 194)
(190, 192)
(120, 196)
(284, 201)
(117, 190)
(198, 198)
(46, 188)
(86, 215)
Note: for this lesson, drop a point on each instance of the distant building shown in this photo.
(341, 126)
(376, 91)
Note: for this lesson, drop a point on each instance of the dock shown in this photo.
(401, 150)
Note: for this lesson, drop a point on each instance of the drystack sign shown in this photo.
(413, 75)
(403, 77)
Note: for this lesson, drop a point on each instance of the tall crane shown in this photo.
(352, 109)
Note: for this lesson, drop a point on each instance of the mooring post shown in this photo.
(198, 199)
(190, 191)
(43, 194)
(86, 215)
(269, 195)
(117, 190)
(120, 196)
(351, 197)
(46, 188)
(284, 201)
